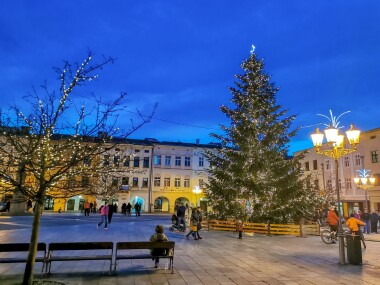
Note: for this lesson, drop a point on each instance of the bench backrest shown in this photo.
(80, 245)
(9, 247)
(145, 245)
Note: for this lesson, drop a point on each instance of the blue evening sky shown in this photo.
(184, 54)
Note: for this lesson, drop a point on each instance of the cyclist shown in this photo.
(333, 220)
(353, 224)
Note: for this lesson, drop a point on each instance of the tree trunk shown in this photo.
(28, 273)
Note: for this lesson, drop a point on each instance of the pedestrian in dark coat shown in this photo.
(110, 213)
(374, 218)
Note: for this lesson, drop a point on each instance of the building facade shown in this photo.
(322, 172)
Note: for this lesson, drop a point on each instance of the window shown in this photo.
(201, 161)
(187, 160)
(167, 160)
(85, 181)
(315, 164)
(86, 161)
(146, 150)
(157, 181)
(327, 163)
(374, 156)
(177, 182)
(145, 182)
(146, 162)
(115, 181)
(348, 183)
(307, 168)
(177, 161)
(135, 182)
(125, 180)
(136, 161)
(357, 160)
(201, 183)
(167, 182)
(329, 185)
(116, 160)
(157, 159)
(126, 161)
(137, 150)
(106, 160)
(186, 182)
(346, 161)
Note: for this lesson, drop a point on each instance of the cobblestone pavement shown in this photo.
(219, 258)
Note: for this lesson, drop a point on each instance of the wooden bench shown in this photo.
(22, 247)
(135, 248)
(79, 246)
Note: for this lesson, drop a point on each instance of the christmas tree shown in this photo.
(251, 177)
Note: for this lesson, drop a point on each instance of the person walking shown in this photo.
(137, 209)
(86, 207)
(353, 224)
(110, 212)
(124, 209)
(181, 213)
(158, 236)
(194, 220)
(104, 216)
(365, 219)
(95, 209)
(374, 217)
(129, 209)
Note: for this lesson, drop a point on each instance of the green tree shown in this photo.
(251, 177)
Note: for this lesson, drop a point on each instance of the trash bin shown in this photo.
(354, 249)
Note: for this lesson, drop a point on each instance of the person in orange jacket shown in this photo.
(353, 225)
(333, 219)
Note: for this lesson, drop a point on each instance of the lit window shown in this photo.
(135, 182)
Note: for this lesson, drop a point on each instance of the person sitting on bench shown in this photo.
(158, 236)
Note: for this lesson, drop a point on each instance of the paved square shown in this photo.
(219, 258)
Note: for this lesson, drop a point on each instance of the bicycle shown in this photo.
(329, 237)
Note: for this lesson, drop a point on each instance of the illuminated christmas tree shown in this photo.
(251, 176)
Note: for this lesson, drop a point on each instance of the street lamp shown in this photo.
(334, 148)
(364, 182)
(197, 190)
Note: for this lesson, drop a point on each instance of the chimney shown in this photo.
(197, 141)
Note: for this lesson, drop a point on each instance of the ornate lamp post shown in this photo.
(334, 148)
(364, 182)
(197, 190)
